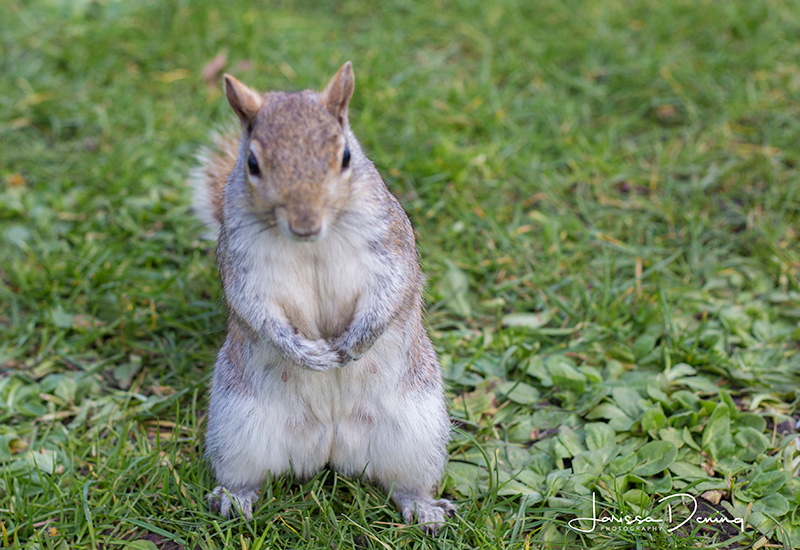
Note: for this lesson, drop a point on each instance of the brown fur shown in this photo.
(233, 376)
(211, 175)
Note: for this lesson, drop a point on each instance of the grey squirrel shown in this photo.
(326, 359)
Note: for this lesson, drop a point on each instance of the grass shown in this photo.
(606, 197)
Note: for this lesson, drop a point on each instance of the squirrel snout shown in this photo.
(306, 232)
(302, 225)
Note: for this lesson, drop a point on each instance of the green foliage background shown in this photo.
(606, 201)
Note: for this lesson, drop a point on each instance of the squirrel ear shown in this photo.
(244, 101)
(338, 92)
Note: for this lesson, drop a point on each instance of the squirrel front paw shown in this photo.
(345, 351)
(237, 503)
(321, 356)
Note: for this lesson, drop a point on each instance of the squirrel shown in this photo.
(326, 359)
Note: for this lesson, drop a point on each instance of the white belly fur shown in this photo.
(320, 417)
(316, 284)
(302, 419)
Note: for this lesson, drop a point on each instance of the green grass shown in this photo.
(607, 202)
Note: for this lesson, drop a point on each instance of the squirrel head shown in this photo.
(295, 155)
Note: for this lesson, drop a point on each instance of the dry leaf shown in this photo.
(15, 180)
(212, 69)
(713, 496)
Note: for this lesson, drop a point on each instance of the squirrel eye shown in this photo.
(346, 159)
(252, 165)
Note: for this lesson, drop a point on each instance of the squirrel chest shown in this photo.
(315, 285)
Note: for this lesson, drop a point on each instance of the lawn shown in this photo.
(606, 197)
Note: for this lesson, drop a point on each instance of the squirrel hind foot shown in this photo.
(233, 503)
(429, 514)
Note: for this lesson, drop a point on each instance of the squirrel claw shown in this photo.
(346, 354)
(346, 357)
(429, 514)
(237, 504)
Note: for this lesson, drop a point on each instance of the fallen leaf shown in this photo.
(21, 122)
(172, 76)
(713, 496)
(527, 320)
(17, 446)
(15, 180)
(212, 69)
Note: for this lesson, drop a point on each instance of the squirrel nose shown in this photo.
(305, 232)
(305, 226)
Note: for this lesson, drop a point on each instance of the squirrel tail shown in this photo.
(207, 179)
